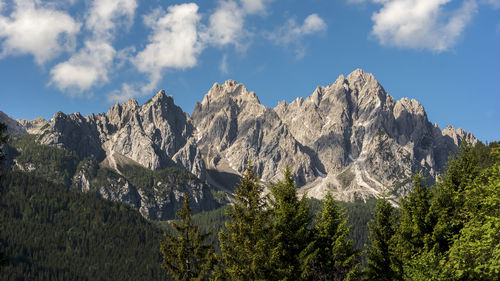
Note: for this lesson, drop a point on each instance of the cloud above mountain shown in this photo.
(80, 44)
(421, 24)
(92, 63)
(38, 30)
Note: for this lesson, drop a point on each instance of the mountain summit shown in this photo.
(350, 138)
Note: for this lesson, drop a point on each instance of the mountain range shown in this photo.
(350, 138)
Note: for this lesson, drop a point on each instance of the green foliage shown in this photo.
(245, 246)
(3, 139)
(57, 164)
(380, 256)
(291, 219)
(52, 233)
(475, 252)
(330, 255)
(185, 256)
(414, 228)
(452, 230)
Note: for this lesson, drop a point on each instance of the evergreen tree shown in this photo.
(246, 245)
(185, 256)
(444, 234)
(291, 220)
(330, 256)
(3, 140)
(449, 199)
(415, 227)
(380, 256)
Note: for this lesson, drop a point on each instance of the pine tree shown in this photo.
(449, 199)
(246, 245)
(185, 256)
(415, 226)
(380, 256)
(475, 252)
(291, 220)
(3, 140)
(331, 256)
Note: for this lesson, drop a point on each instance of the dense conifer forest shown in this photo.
(446, 231)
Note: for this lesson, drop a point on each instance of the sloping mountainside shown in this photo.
(350, 138)
(52, 233)
(155, 194)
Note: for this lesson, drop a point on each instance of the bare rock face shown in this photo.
(368, 143)
(13, 127)
(350, 138)
(74, 132)
(34, 126)
(233, 128)
(156, 135)
(159, 199)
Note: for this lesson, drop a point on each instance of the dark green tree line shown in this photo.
(186, 256)
(449, 231)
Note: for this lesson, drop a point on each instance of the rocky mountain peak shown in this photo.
(162, 98)
(459, 135)
(13, 127)
(349, 137)
(230, 90)
(412, 106)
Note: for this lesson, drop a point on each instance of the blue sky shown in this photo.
(83, 56)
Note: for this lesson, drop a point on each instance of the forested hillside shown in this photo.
(52, 233)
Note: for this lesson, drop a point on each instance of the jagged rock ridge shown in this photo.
(350, 137)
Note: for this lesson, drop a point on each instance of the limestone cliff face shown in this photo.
(158, 198)
(233, 128)
(13, 127)
(350, 138)
(156, 135)
(368, 143)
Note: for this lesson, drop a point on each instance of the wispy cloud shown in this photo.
(255, 6)
(91, 65)
(226, 25)
(291, 33)
(495, 4)
(223, 65)
(38, 30)
(421, 24)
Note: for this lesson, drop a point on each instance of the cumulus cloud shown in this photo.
(92, 63)
(226, 25)
(85, 69)
(35, 29)
(291, 33)
(105, 15)
(421, 24)
(173, 44)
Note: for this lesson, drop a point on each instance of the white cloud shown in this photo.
(292, 34)
(104, 15)
(37, 30)
(226, 25)
(254, 6)
(421, 24)
(91, 65)
(84, 69)
(174, 43)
